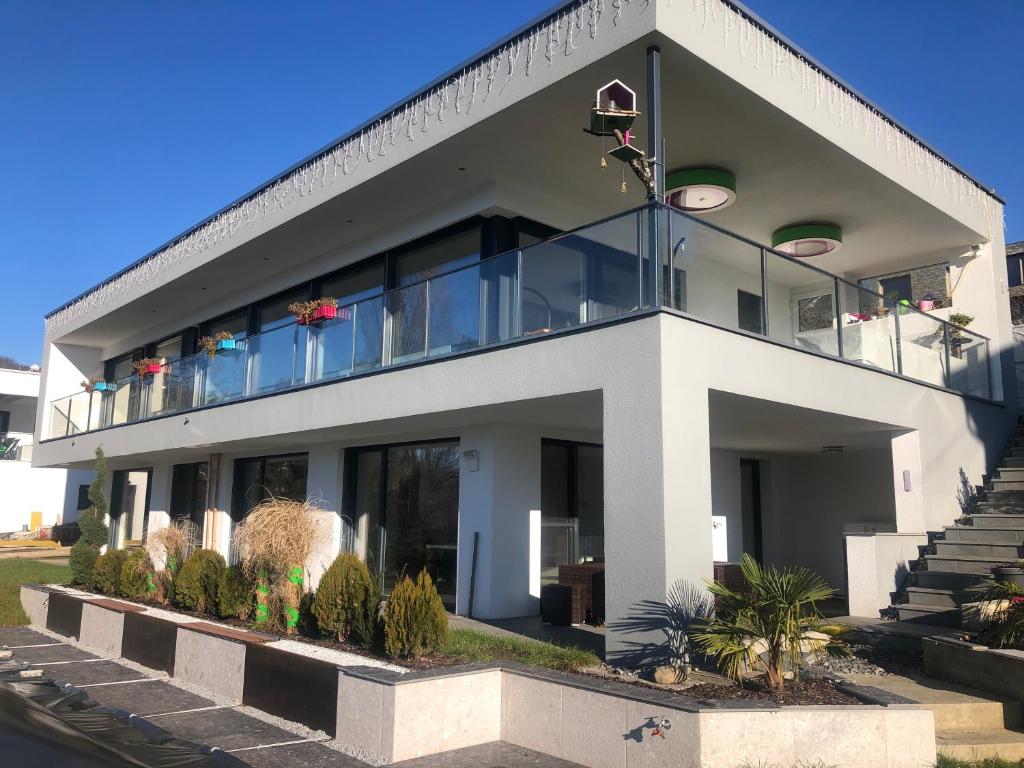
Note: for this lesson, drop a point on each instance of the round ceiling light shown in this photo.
(698, 190)
(805, 240)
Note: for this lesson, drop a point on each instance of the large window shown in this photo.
(572, 506)
(129, 507)
(259, 478)
(225, 373)
(404, 500)
(188, 495)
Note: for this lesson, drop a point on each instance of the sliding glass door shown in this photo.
(405, 504)
(129, 507)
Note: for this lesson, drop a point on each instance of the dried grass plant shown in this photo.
(274, 542)
(168, 548)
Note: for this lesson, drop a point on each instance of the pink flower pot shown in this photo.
(926, 305)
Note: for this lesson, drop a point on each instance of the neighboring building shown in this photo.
(507, 384)
(1015, 281)
(31, 497)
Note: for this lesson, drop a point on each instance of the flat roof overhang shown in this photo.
(532, 158)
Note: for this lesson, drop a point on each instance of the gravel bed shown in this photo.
(333, 655)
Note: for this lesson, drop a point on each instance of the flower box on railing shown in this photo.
(318, 310)
(226, 344)
(153, 368)
(325, 312)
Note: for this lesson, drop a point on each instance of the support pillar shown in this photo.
(657, 472)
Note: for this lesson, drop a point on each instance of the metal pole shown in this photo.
(764, 292)
(839, 318)
(899, 341)
(654, 138)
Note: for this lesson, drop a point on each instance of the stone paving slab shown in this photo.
(225, 729)
(497, 754)
(23, 636)
(49, 654)
(310, 755)
(91, 672)
(148, 699)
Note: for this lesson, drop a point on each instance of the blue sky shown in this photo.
(124, 123)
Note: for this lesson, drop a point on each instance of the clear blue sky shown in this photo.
(123, 123)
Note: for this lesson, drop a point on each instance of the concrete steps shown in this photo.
(1006, 551)
(969, 724)
(978, 745)
(979, 566)
(929, 614)
(963, 555)
(974, 534)
(950, 599)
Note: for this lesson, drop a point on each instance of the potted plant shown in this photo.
(956, 340)
(308, 312)
(220, 341)
(303, 311)
(147, 366)
(1012, 574)
(326, 308)
(927, 303)
(96, 384)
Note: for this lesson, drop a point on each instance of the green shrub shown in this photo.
(106, 575)
(136, 579)
(83, 562)
(415, 623)
(234, 594)
(86, 550)
(195, 587)
(346, 601)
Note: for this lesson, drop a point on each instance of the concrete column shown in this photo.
(499, 498)
(657, 504)
(323, 487)
(908, 483)
(160, 497)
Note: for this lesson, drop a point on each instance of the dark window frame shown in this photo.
(237, 479)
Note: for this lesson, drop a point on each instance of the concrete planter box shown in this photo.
(102, 625)
(1000, 672)
(610, 725)
(212, 657)
(391, 716)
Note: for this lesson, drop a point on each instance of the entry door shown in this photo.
(404, 500)
(750, 503)
(129, 507)
(188, 497)
(572, 506)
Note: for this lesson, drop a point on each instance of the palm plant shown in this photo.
(1006, 630)
(770, 626)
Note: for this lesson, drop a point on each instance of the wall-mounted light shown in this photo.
(699, 190)
(805, 240)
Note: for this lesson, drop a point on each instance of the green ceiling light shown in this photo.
(805, 240)
(698, 190)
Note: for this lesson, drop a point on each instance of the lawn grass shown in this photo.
(14, 573)
(945, 761)
(471, 646)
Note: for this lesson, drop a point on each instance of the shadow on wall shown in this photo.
(966, 496)
(686, 605)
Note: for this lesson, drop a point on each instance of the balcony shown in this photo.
(591, 275)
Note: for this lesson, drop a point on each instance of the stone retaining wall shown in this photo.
(996, 671)
(387, 716)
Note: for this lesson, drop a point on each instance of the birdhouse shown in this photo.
(614, 109)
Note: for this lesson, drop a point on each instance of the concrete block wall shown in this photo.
(386, 716)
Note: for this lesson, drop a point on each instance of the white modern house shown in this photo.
(534, 363)
(31, 497)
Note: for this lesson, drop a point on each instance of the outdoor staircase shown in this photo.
(962, 555)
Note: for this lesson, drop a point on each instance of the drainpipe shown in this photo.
(655, 152)
(212, 498)
(655, 143)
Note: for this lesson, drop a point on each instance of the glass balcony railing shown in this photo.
(595, 273)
